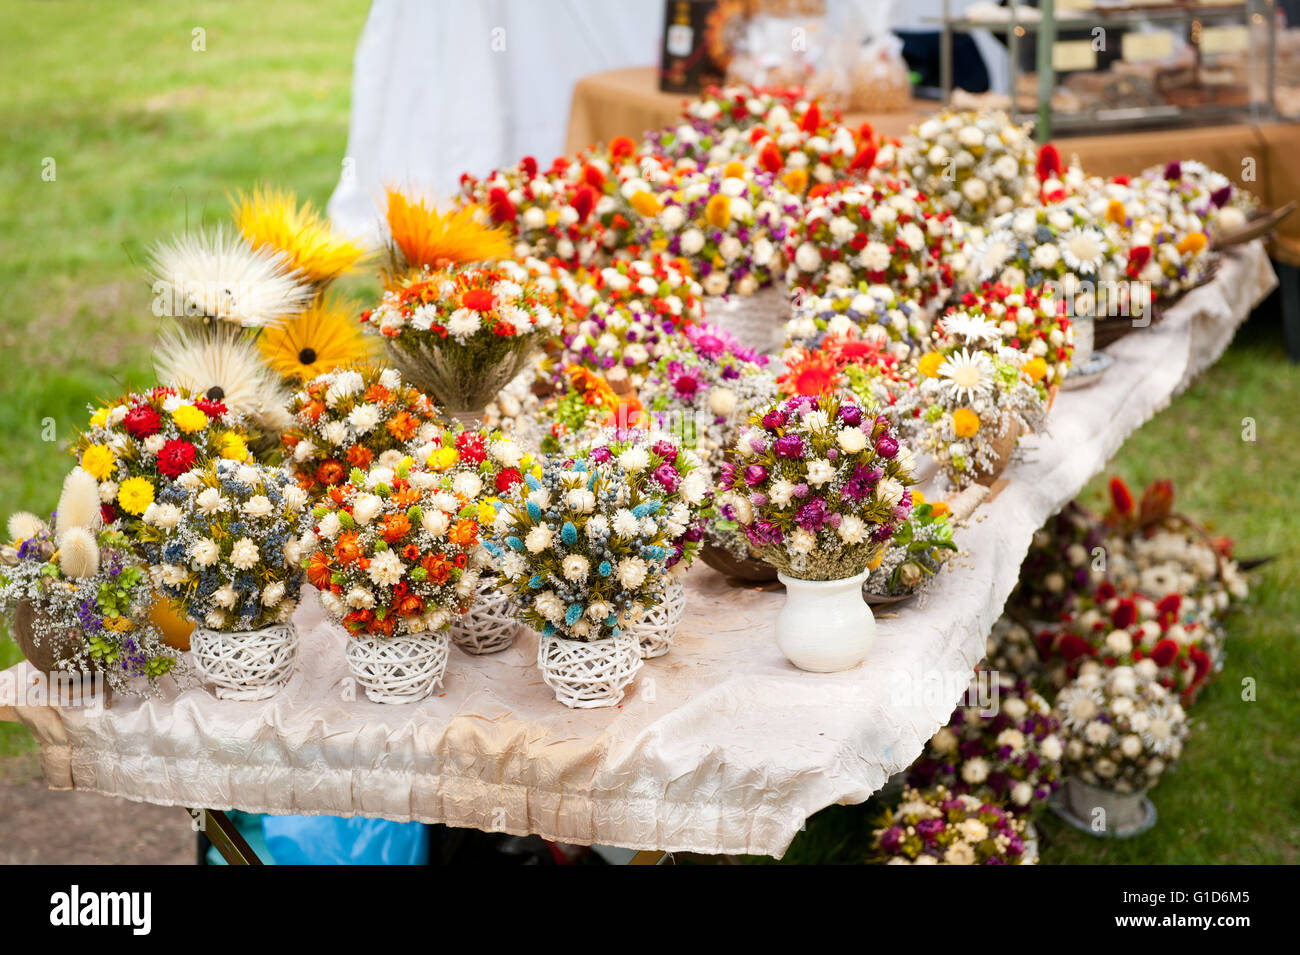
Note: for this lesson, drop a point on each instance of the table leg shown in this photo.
(1288, 277)
(221, 832)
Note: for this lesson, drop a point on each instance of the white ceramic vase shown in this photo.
(825, 626)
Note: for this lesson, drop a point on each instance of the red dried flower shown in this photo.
(1164, 652)
(507, 479)
(175, 458)
(142, 421)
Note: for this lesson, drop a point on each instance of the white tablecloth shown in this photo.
(721, 746)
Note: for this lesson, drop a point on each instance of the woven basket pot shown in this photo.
(399, 669)
(756, 321)
(245, 664)
(491, 625)
(592, 674)
(740, 568)
(655, 630)
(1124, 811)
(53, 649)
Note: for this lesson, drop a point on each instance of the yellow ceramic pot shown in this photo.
(175, 626)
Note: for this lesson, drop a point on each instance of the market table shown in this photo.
(720, 747)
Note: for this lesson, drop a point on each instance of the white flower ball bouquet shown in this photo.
(1122, 729)
(978, 164)
(583, 549)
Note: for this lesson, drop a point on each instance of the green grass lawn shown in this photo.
(148, 134)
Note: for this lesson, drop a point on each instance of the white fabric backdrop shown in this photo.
(720, 746)
(434, 95)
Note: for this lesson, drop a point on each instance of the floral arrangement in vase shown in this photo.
(78, 596)
(226, 544)
(354, 418)
(704, 391)
(1123, 629)
(974, 397)
(1122, 730)
(583, 548)
(399, 557)
(398, 551)
(584, 553)
(482, 468)
(879, 234)
(728, 222)
(657, 467)
(917, 551)
(461, 335)
(142, 442)
(819, 485)
(873, 312)
(935, 827)
(229, 539)
(1030, 321)
(1009, 755)
(977, 164)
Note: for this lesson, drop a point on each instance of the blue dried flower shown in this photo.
(569, 533)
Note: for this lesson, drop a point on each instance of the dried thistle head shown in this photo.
(25, 524)
(78, 553)
(78, 504)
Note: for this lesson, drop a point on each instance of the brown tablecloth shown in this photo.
(628, 103)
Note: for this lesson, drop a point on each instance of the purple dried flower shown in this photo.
(788, 446)
(755, 474)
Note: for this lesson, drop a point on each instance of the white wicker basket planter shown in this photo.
(491, 625)
(658, 625)
(245, 664)
(399, 669)
(588, 675)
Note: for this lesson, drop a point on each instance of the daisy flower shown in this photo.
(1083, 249)
(966, 375)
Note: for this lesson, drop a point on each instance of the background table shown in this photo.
(720, 747)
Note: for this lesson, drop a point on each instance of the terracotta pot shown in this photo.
(52, 649)
(1003, 445)
(174, 625)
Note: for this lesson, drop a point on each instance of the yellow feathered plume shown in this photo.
(425, 238)
(272, 217)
